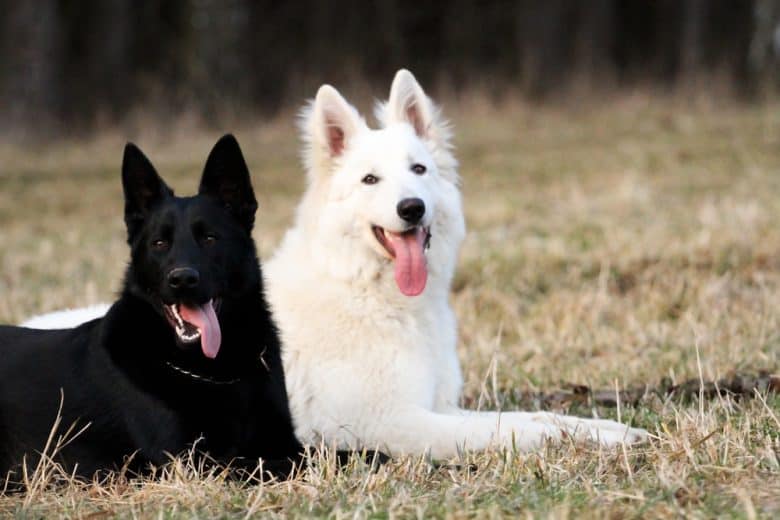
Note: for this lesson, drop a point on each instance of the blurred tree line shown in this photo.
(70, 63)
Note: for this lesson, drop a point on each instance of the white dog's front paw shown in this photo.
(604, 431)
(612, 435)
(529, 431)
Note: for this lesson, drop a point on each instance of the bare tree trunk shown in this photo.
(30, 45)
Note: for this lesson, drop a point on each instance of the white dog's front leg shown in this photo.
(416, 430)
(603, 431)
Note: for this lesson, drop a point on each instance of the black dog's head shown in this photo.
(188, 254)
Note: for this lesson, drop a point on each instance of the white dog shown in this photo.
(360, 287)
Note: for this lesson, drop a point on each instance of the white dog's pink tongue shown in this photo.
(205, 319)
(411, 269)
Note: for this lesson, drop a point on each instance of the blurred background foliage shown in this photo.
(74, 65)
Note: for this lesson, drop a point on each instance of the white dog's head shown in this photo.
(381, 195)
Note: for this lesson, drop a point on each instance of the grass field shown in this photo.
(610, 245)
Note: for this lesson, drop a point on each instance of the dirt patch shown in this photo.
(736, 385)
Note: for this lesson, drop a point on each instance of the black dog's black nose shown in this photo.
(183, 278)
(411, 210)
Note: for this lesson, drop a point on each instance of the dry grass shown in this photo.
(608, 245)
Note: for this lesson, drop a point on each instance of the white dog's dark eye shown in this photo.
(419, 169)
(370, 179)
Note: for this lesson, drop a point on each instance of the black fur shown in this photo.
(144, 393)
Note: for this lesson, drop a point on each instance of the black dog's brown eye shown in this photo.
(370, 179)
(160, 245)
(210, 239)
(419, 169)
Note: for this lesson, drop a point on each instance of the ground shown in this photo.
(615, 244)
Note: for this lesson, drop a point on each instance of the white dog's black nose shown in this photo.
(411, 210)
(183, 278)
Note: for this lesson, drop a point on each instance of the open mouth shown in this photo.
(407, 250)
(193, 323)
(387, 238)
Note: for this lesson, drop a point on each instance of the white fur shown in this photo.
(68, 318)
(365, 365)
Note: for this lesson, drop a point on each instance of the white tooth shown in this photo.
(187, 337)
(176, 315)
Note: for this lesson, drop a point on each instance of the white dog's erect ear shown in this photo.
(335, 121)
(409, 103)
(328, 124)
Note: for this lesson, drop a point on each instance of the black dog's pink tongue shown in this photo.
(411, 268)
(205, 319)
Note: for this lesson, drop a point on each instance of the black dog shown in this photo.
(188, 355)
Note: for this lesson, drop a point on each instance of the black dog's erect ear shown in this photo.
(142, 186)
(226, 178)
